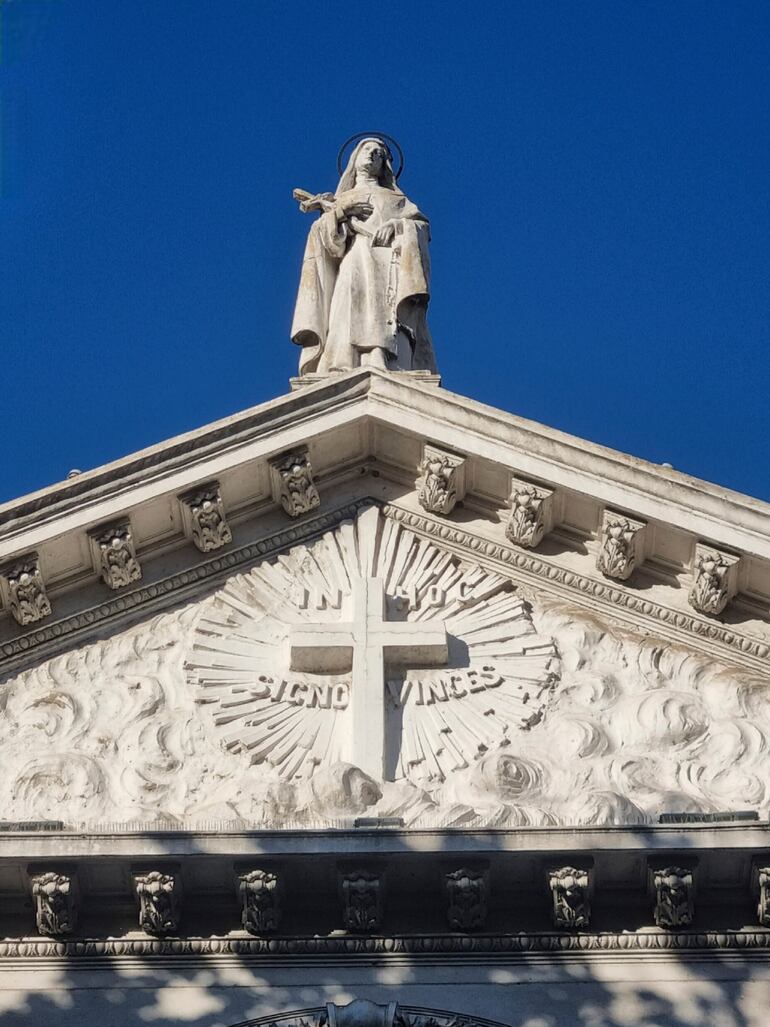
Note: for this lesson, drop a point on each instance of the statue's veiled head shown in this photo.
(370, 157)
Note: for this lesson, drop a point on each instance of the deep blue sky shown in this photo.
(596, 174)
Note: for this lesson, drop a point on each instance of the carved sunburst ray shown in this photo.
(445, 718)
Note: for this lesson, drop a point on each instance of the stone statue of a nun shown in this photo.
(364, 289)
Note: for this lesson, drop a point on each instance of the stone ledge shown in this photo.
(391, 946)
(216, 840)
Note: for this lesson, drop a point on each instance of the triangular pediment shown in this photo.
(585, 679)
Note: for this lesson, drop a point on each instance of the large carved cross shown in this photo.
(367, 644)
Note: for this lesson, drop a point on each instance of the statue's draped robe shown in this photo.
(354, 297)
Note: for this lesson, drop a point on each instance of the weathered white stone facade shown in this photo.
(411, 693)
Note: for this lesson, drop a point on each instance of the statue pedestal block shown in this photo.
(423, 377)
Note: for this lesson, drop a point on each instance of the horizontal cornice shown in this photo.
(422, 947)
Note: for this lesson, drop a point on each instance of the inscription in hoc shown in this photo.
(406, 597)
(454, 685)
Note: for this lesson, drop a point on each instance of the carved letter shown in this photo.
(715, 579)
(159, 894)
(114, 555)
(56, 902)
(621, 545)
(259, 893)
(467, 891)
(362, 893)
(674, 894)
(24, 591)
(291, 479)
(442, 480)
(570, 890)
(204, 516)
(531, 516)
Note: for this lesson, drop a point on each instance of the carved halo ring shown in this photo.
(389, 141)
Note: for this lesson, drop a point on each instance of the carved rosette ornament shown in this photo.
(291, 481)
(24, 591)
(159, 894)
(715, 579)
(57, 898)
(468, 894)
(441, 481)
(115, 555)
(674, 896)
(621, 545)
(571, 894)
(259, 893)
(204, 516)
(363, 900)
(531, 516)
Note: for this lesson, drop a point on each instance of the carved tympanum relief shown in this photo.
(197, 716)
(451, 666)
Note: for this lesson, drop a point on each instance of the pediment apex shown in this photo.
(604, 521)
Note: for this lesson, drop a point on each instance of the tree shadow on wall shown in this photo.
(212, 987)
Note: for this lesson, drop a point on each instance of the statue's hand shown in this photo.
(384, 234)
(353, 209)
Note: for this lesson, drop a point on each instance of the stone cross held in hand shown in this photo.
(367, 644)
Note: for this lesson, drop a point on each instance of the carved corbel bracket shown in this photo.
(441, 480)
(23, 590)
(114, 555)
(203, 517)
(362, 893)
(291, 482)
(571, 892)
(531, 516)
(159, 896)
(760, 878)
(673, 892)
(621, 545)
(467, 889)
(259, 893)
(56, 894)
(714, 579)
